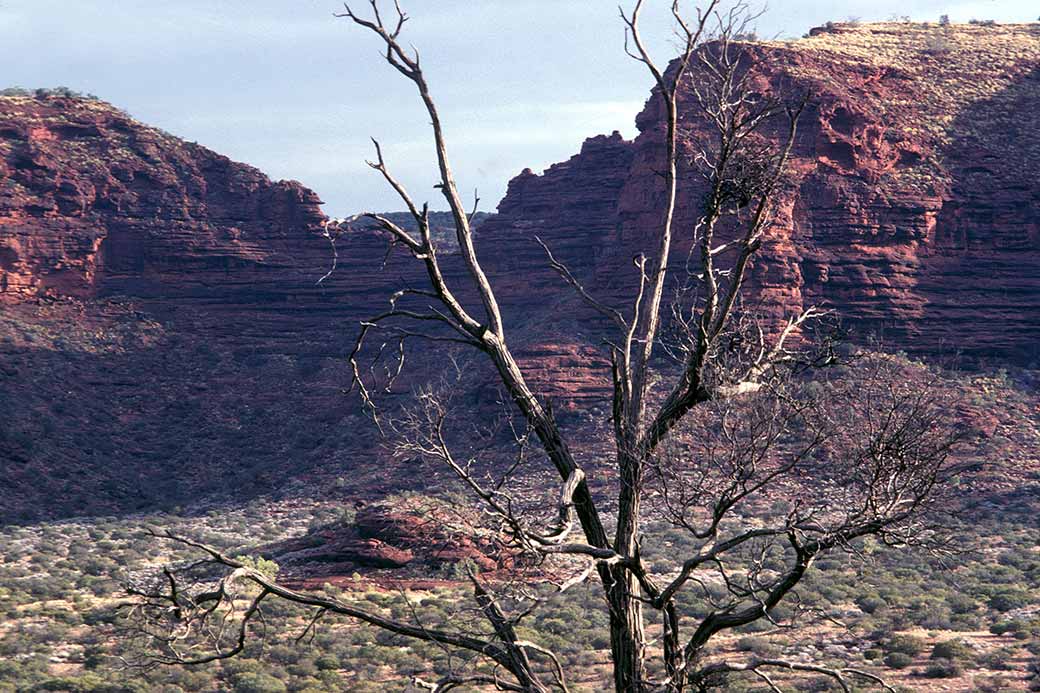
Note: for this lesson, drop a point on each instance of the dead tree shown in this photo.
(732, 423)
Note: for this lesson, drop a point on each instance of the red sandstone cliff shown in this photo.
(91, 200)
(162, 332)
(144, 283)
(915, 208)
(162, 329)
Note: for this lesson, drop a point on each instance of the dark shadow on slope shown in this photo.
(983, 274)
(123, 414)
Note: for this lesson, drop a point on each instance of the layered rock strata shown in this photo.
(163, 331)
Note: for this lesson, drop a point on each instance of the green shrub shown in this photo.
(1008, 599)
(953, 650)
(258, 682)
(903, 644)
(1002, 627)
(942, 669)
(898, 660)
(327, 662)
(869, 605)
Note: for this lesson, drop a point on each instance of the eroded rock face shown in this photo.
(92, 201)
(148, 300)
(914, 207)
(163, 330)
(163, 333)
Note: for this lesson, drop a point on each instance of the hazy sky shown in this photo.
(284, 86)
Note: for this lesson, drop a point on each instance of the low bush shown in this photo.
(871, 604)
(758, 645)
(1008, 599)
(258, 682)
(903, 644)
(942, 669)
(898, 660)
(953, 650)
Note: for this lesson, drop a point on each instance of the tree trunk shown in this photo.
(627, 637)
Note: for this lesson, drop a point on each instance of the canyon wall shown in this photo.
(913, 206)
(92, 201)
(164, 334)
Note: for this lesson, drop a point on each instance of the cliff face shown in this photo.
(149, 346)
(163, 333)
(914, 209)
(92, 201)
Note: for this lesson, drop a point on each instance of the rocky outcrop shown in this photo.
(384, 538)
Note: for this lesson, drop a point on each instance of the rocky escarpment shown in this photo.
(95, 204)
(164, 334)
(92, 201)
(165, 328)
(914, 206)
(148, 335)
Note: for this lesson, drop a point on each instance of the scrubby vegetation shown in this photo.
(909, 616)
(46, 93)
(974, 615)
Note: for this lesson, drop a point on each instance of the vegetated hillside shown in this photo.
(164, 335)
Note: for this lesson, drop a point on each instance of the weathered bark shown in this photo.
(627, 626)
(627, 633)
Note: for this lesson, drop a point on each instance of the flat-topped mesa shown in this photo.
(91, 201)
(914, 201)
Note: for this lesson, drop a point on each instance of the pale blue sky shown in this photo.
(284, 86)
